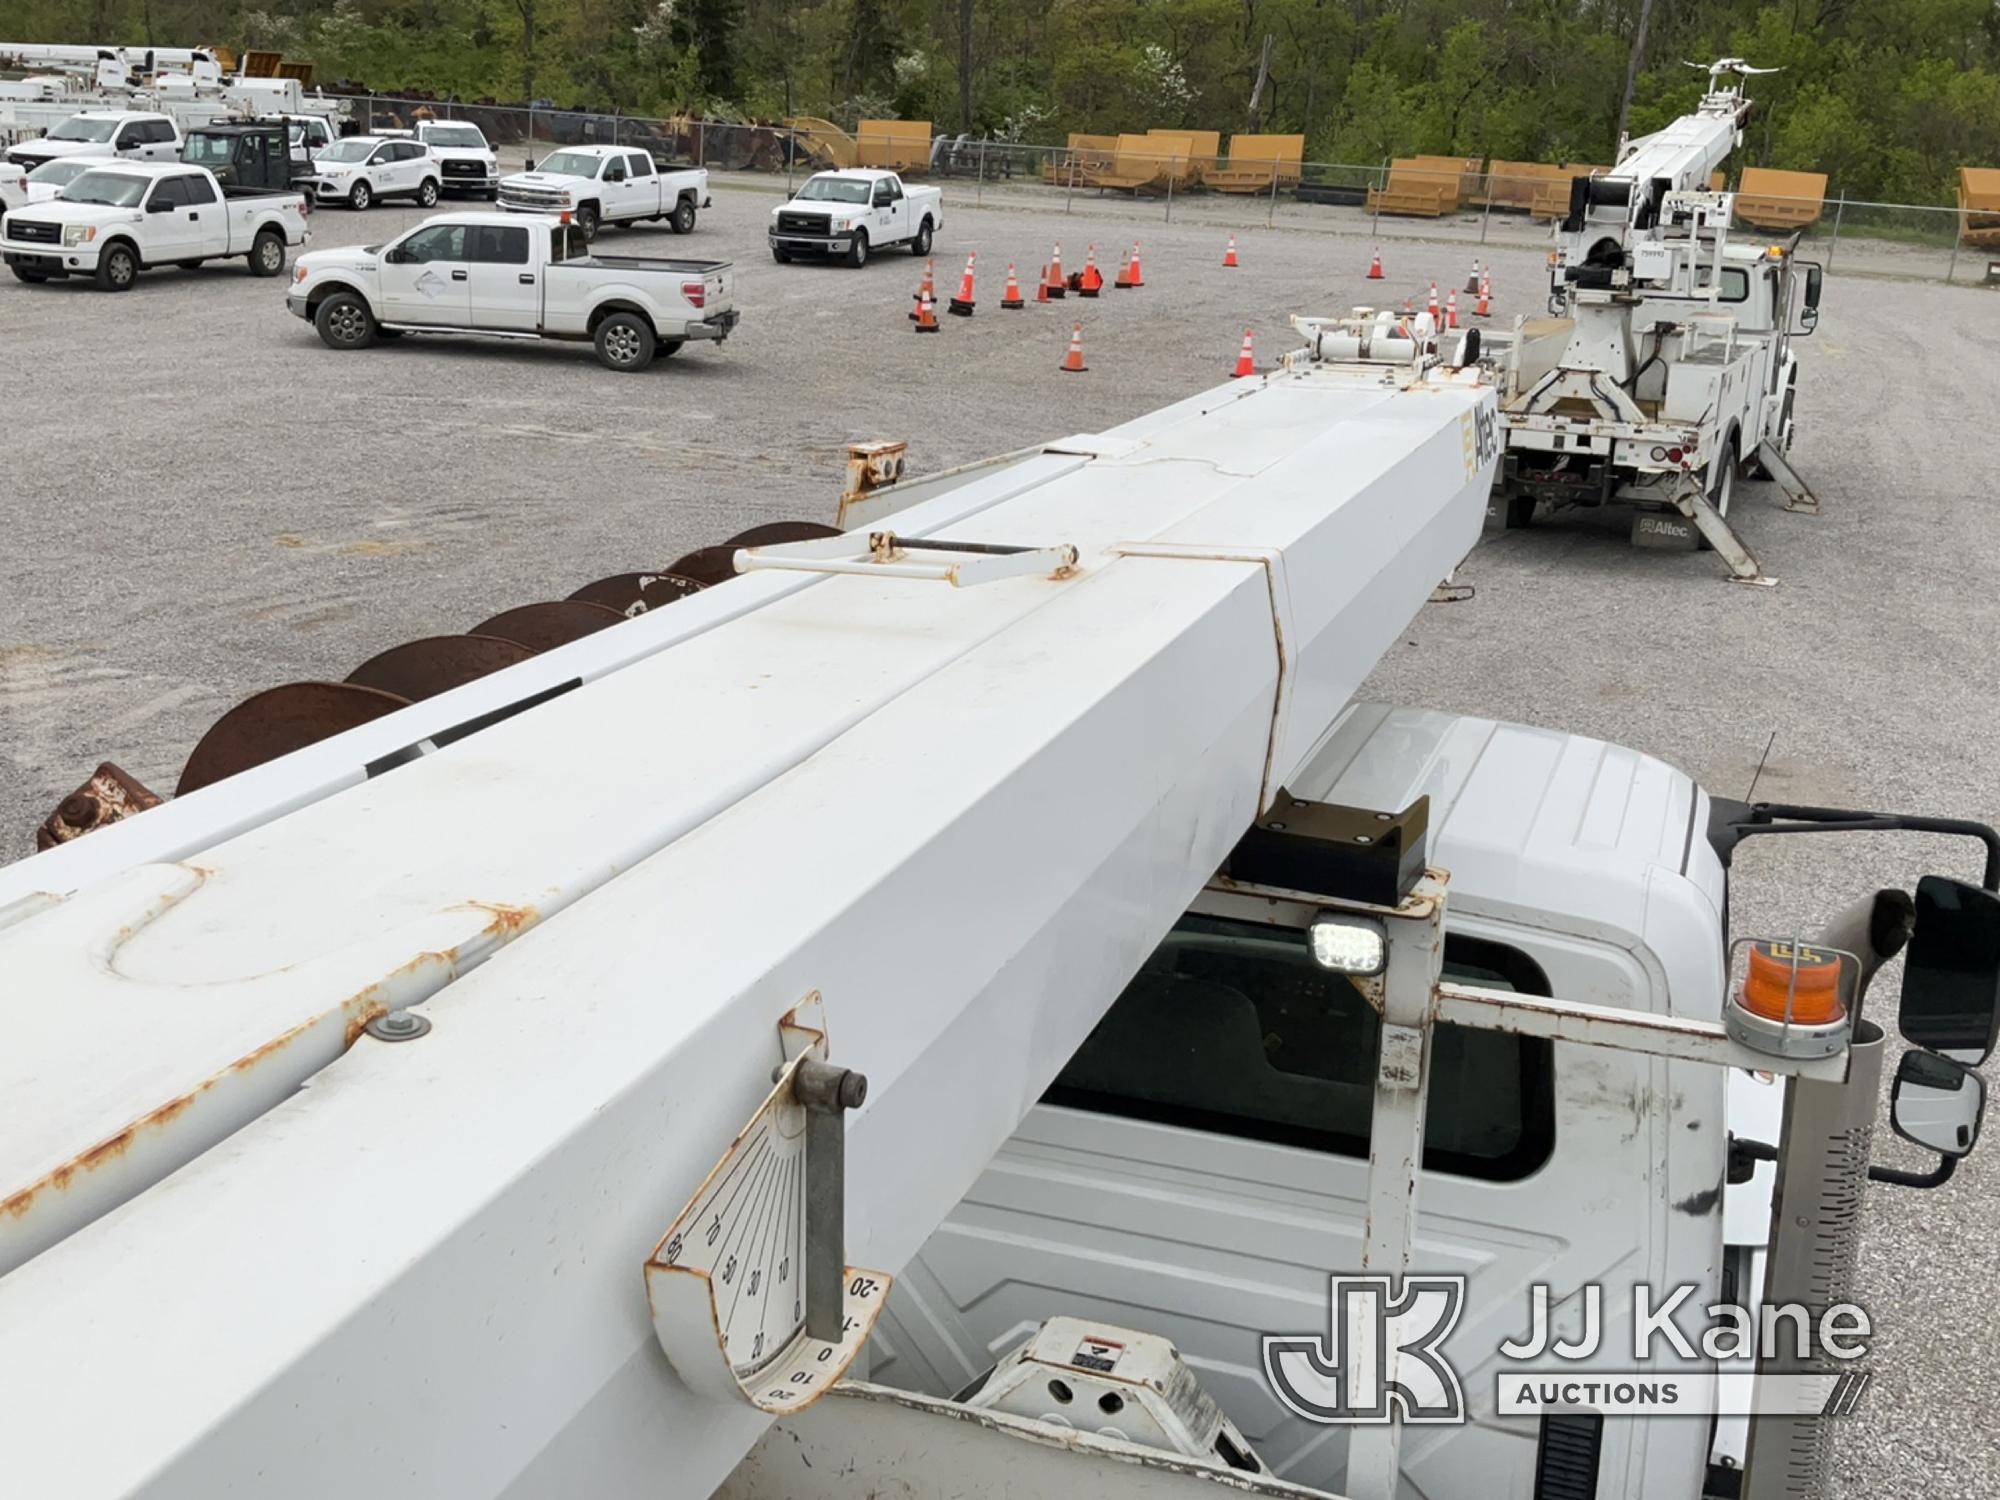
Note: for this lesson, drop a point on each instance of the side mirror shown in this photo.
(530, 166)
(1951, 976)
(1937, 1104)
(393, 256)
(1815, 280)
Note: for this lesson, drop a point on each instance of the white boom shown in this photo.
(117, 67)
(285, 1256)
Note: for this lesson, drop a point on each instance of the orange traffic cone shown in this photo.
(1229, 255)
(1073, 361)
(961, 305)
(1451, 308)
(1012, 296)
(1093, 279)
(1056, 285)
(1246, 362)
(1129, 276)
(1375, 265)
(1042, 286)
(1472, 280)
(928, 289)
(1485, 295)
(926, 316)
(1433, 308)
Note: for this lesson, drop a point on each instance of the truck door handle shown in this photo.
(458, 275)
(192, 217)
(528, 279)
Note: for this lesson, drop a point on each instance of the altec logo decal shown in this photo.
(1383, 1354)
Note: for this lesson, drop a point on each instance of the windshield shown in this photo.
(569, 164)
(834, 190)
(354, 148)
(454, 135)
(77, 128)
(59, 172)
(112, 189)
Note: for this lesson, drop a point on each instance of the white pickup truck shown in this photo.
(599, 185)
(851, 212)
(501, 276)
(120, 219)
(138, 135)
(467, 162)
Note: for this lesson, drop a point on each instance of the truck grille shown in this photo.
(462, 168)
(802, 223)
(528, 197)
(31, 232)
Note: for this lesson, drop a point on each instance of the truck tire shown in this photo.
(117, 267)
(344, 321)
(625, 342)
(857, 252)
(782, 257)
(1520, 512)
(682, 218)
(267, 254)
(670, 347)
(427, 194)
(1722, 480)
(587, 221)
(921, 245)
(360, 196)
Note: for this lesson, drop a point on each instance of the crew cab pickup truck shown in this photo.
(467, 162)
(122, 218)
(502, 276)
(599, 185)
(852, 212)
(134, 134)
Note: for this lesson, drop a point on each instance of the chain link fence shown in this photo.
(1509, 204)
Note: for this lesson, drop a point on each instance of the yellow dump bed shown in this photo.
(1770, 199)
(893, 145)
(1256, 161)
(1084, 155)
(1979, 205)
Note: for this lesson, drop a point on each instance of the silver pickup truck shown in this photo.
(500, 275)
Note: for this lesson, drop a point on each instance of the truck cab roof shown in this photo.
(146, 168)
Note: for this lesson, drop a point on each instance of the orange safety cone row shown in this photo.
(1433, 309)
(1012, 296)
(1056, 285)
(926, 314)
(1229, 255)
(1451, 308)
(1042, 286)
(1246, 362)
(1073, 361)
(961, 305)
(928, 289)
(1472, 280)
(1093, 279)
(1375, 265)
(1485, 295)
(1131, 276)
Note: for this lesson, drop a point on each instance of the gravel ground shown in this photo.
(205, 501)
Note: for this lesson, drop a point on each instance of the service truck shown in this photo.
(854, 212)
(115, 221)
(1666, 368)
(503, 276)
(928, 1013)
(137, 135)
(600, 185)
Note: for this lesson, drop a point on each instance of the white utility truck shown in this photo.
(467, 162)
(136, 135)
(853, 212)
(117, 220)
(599, 185)
(1667, 367)
(498, 275)
(360, 170)
(981, 992)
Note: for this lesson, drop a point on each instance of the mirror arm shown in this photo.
(1938, 1176)
(1731, 822)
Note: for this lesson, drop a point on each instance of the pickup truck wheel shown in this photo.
(267, 255)
(921, 245)
(1520, 510)
(682, 218)
(670, 347)
(344, 322)
(782, 257)
(587, 222)
(117, 269)
(360, 196)
(427, 195)
(625, 342)
(857, 253)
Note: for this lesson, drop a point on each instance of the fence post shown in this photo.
(614, 127)
(1957, 238)
(1838, 209)
(1071, 193)
(1271, 215)
(369, 127)
(979, 189)
(1486, 214)
(1375, 222)
(1170, 190)
(701, 143)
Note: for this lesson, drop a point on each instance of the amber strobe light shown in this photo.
(1791, 981)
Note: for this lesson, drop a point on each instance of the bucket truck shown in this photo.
(914, 1014)
(1666, 368)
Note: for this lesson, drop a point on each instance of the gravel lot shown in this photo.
(205, 501)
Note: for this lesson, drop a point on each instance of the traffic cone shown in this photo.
(1472, 280)
(926, 315)
(1042, 286)
(1129, 275)
(1451, 308)
(928, 289)
(1073, 361)
(1012, 296)
(1093, 279)
(1375, 265)
(1433, 308)
(1229, 255)
(1485, 294)
(1246, 362)
(1056, 285)
(961, 305)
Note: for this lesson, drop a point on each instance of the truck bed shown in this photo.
(644, 263)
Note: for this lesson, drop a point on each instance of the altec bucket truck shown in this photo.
(1666, 368)
(890, 1019)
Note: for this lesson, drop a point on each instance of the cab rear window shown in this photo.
(1231, 1028)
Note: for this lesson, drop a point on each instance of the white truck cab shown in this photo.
(853, 212)
(137, 135)
(358, 170)
(600, 185)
